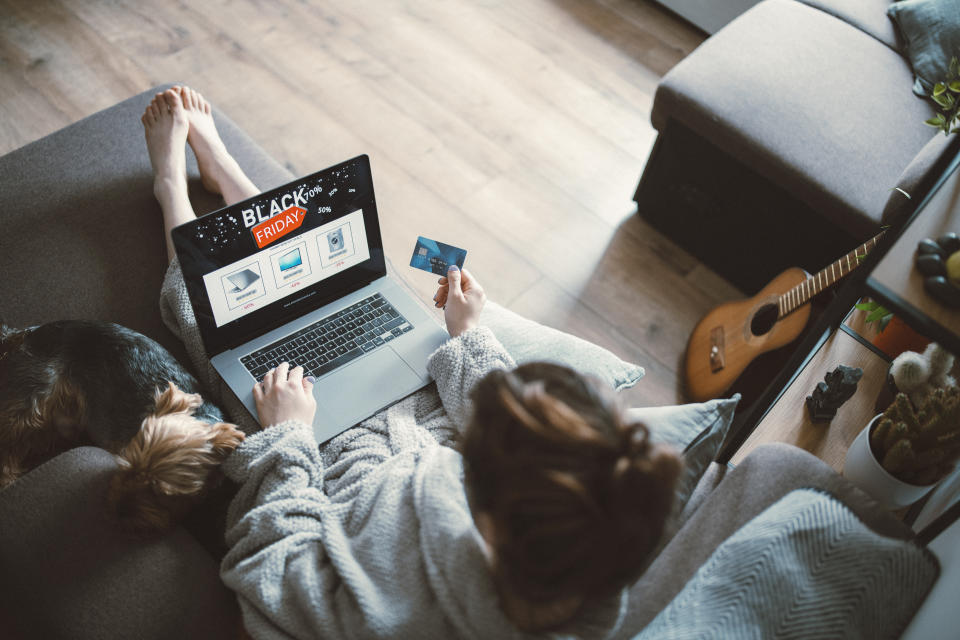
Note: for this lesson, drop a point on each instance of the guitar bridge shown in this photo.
(718, 359)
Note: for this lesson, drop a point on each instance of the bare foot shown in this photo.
(165, 126)
(219, 172)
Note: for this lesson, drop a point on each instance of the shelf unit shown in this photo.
(886, 275)
(788, 419)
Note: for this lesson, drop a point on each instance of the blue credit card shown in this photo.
(435, 257)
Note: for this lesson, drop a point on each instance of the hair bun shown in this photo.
(641, 472)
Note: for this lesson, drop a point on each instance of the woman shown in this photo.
(504, 502)
(546, 515)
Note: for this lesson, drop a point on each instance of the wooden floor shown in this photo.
(515, 129)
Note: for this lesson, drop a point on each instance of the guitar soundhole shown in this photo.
(764, 319)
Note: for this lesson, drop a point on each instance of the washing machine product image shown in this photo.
(335, 240)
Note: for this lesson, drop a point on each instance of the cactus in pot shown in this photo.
(918, 374)
(919, 446)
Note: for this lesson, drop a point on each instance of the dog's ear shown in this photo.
(173, 400)
(224, 438)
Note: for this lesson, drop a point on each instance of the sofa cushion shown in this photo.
(698, 430)
(770, 472)
(810, 102)
(69, 572)
(931, 35)
(82, 235)
(870, 16)
(528, 341)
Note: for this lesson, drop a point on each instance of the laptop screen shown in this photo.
(260, 263)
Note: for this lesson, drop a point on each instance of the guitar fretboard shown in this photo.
(803, 292)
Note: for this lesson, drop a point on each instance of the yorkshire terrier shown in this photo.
(71, 383)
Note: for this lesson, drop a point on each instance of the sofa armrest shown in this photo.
(68, 572)
(770, 472)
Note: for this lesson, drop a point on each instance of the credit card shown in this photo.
(435, 257)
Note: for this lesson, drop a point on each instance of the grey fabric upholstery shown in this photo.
(83, 238)
(82, 233)
(770, 472)
(919, 177)
(809, 101)
(68, 572)
(870, 16)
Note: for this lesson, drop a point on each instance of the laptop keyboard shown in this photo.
(333, 341)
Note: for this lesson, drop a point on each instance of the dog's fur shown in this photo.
(70, 383)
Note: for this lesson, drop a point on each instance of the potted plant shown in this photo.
(894, 336)
(904, 451)
(917, 374)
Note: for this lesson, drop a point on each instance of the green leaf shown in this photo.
(933, 122)
(865, 306)
(941, 100)
(954, 85)
(954, 66)
(876, 314)
(938, 89)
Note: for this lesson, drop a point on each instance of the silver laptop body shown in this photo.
(297, 274)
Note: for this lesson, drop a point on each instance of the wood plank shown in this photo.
(789, 421)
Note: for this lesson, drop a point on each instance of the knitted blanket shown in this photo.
(804, 568)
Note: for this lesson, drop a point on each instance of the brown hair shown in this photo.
(576, 496)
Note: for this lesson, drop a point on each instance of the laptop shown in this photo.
(297, 274)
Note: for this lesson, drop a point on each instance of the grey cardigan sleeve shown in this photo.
(275, 533)
(459, 364)
(314, 556)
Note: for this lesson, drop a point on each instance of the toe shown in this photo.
(173, 99)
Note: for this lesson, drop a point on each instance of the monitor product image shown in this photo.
(290, 260)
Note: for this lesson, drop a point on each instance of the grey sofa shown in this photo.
(89, 245)
(782, 136)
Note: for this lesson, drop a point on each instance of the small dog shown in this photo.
(70, 383)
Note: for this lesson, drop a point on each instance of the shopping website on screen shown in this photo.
(285, 267)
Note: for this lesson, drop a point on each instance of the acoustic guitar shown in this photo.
(732, 335)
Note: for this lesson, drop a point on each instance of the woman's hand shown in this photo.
(284, 394)
(462, 298)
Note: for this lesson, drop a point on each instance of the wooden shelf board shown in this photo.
(896, 271)
(788, 420)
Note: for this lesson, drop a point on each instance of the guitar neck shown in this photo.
(803, 292)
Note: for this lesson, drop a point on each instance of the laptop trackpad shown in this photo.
(362, 388)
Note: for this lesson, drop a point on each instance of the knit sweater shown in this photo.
(369, 535)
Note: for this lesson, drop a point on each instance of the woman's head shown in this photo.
(575, 497)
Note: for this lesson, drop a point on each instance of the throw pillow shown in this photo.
(931, 33)
(696, 429)
(528, 341)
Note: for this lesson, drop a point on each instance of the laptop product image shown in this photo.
(243, 279)
(297, 274)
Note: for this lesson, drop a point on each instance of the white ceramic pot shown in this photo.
(862, 468)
